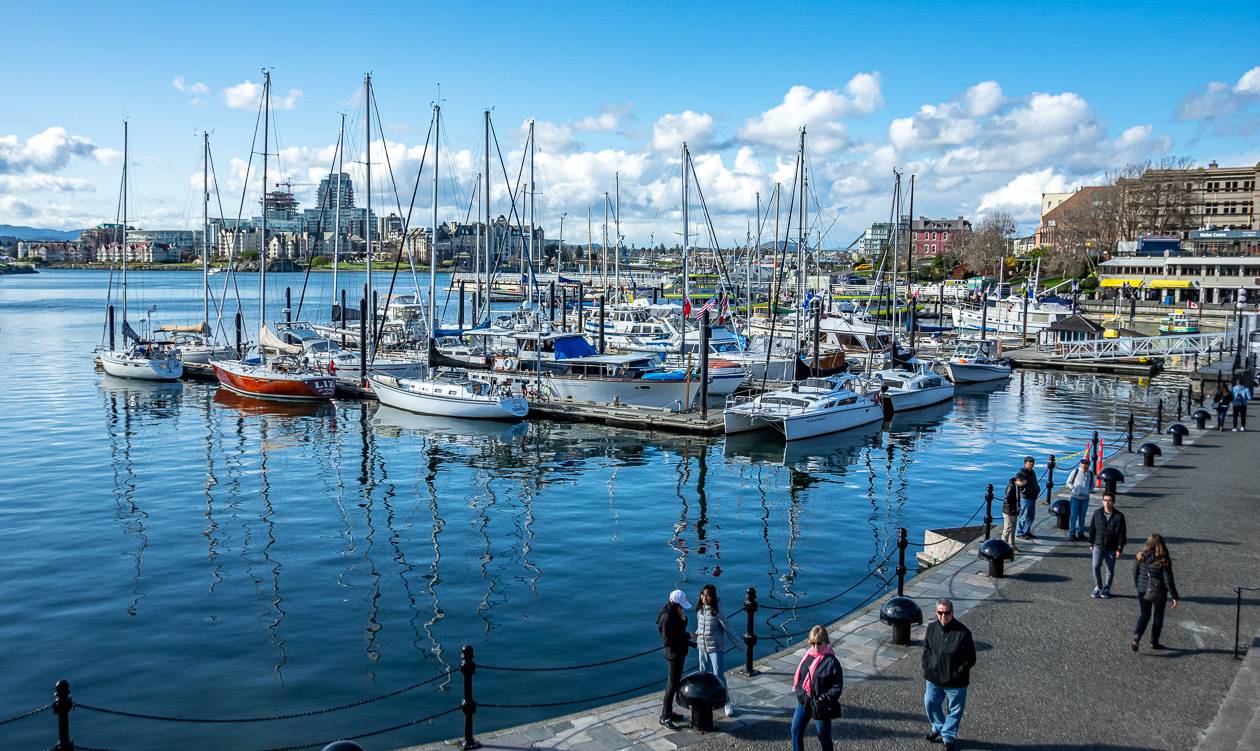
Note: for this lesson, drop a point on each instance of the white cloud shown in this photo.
(49, 150)
(669, 132)
(197, 87)
(603, 122)
(1249, 83)
(819, 111)
(983, 99)
(51, 183)
(1021, 196)
(549, 136)
(1227, 108)
(247, 95)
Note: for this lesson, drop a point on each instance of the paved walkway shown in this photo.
(1055, 670)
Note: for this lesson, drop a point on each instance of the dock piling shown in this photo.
(343, 317)
(704, 365)
(551, 301)
(109, 315)
(1159, 416)
(601, 324)
(288, 305)
(564, 308)
(362, 340)
(750, 635)
(239, 353)
(461, 304)
(61, 705)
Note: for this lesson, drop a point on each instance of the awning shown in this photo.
(1169, 284)
(1119, 282)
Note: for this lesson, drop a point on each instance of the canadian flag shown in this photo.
(686, 307)
(1192, 305)
(725, 311)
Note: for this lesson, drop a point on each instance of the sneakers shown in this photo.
(933, 737)
(666, 722)
(1106, 594)
(1096, 593)
(730, 710)
(1235, 430)
(1133, 644)
(951, 746)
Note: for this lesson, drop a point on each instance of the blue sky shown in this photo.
(988, 103)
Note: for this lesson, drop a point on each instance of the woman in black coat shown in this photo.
(1155, 586)
(818, 683)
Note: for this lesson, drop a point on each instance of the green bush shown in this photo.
(1089, 283)
(319, 262)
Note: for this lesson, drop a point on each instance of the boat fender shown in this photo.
(509, 364)
(962, 361)
(332, 368)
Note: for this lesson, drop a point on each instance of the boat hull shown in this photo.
(124, 365)
(903, 401)
(203, 355)
(795, 427)
(261, 382)
(472, 408)
(977, 372)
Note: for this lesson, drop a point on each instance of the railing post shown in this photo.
(1049, 478)
(988, 510)
(467, 705)
(750, 635)
(902, 543)
(1159, 417)
(1129, 432)
(1093, 452)
(61, 706)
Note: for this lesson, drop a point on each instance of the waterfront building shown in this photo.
(1180, 201)
(145, 251)
(929, 237)
(1209, 279)
(54, 252)
(186, 242)
(878, 237)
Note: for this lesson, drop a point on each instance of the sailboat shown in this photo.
(141, 357)
(284, 376)
(450, 393)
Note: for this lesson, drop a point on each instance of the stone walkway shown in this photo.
(1055, 670)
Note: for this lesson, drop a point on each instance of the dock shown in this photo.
(1032, 357)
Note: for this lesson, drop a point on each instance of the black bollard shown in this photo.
(461, 304)
(1149, 451)
(288, 305)
(750, 635)
(1049, 478)
(1159, 416)
(564, 308)
(61, 705)
(704, 365)
(240, 354)
(988, 510)
(581, 309)
(109, 315)
(362, 340)
(996, 552)
(469, 707)
(901, 612)
(1178, 433)
(601, 324)
(1129, 433)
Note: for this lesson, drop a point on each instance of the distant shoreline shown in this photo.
(220, 269)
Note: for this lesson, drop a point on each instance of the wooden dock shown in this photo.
(1031, 357)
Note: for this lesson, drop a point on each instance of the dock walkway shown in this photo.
(1055, 669)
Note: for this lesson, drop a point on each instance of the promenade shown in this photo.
(1055, 670)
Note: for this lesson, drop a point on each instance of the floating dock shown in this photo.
(1031, 357)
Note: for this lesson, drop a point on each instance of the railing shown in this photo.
(1139, 346)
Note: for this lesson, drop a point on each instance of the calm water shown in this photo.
(172, 550)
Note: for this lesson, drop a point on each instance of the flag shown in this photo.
(1192, 305)
(725, 312)
(686, 307)
(710, 305)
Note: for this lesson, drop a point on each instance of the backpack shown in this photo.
(1242, 395)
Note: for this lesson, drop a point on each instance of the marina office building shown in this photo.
(1209, 279)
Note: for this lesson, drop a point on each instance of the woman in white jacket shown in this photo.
(713, 638)
(1080, 482)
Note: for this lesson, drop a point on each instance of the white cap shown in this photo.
(679, 597)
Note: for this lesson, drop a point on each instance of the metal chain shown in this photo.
(27, 713)
(382, 731)
(833, 598)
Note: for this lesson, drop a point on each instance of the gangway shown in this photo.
(1139, 346)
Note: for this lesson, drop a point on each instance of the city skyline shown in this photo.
(987, 118)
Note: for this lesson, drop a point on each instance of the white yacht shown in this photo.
(812, 407)
(911, 385)
(976, 361)
(302, 339)
(143, 359)
(448, 394)
(196, 344)
(1005, 316)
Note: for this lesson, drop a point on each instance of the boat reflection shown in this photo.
(148, 398)
(983, 388)
(836, 450)
(920, 420)
(392, 423)
(248, 406)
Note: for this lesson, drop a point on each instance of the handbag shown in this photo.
(1154, 585)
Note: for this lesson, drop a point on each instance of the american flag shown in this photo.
(710, 305)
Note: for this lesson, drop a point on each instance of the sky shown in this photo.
(987, 104)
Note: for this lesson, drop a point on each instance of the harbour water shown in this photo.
(173, 550)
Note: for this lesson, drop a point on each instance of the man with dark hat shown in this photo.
(1028, 499)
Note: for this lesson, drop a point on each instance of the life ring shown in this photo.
(509, 363)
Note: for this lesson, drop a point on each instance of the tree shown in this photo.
(988, 244)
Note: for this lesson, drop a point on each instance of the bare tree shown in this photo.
(988, 244)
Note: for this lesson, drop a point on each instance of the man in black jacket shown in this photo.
(1028, 503)
(948, 656)
(672, 623)
(1107, 535)
(1010, 508)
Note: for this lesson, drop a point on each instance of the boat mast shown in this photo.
(617, 220)
(205, 227)
(748, 264)
(800, 246)
(530, 278)
(896, 247)
(604, 248)
(262, 255)
(686, 241)
(124, 222)
(437, 140)
(485, 296)
(590, 245)
(341, 139)
(367, 220)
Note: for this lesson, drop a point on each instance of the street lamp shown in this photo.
(1239, 306)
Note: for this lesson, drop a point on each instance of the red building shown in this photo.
(928, 237)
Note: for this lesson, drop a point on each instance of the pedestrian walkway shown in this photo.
(1055, 669)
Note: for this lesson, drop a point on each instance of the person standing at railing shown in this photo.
(1028, 501)
(1107, 535)
(672, 624)
(1242, 395)
(1154, 583)
(1080, 482)
(949, 653)
(713, 638)
(818, 683)
(1222, 400)
(1010, 508)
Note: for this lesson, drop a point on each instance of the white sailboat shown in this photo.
(911, 386)
(140, 357)
(813, 407)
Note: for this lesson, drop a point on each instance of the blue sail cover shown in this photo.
(460, 332)
(573, 346)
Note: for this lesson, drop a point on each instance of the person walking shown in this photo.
(713, 637)
(1154, 583)
(1222, 400)
(1010, 508)
(948, 656)
(672, 623)
(818, 683)
(1080, 482)
(1242, 395)
(1028, 500)
(1107, 535)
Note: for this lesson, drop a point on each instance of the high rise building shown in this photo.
(342, 192)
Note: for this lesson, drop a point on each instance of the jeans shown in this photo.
(935, 700)
(1099, 558)
(675, 668)
(1145, 612)
(1221, 412)
(799, 720)
(1240, 415)
(714, 662)
(1076, 519)
(1027, 512)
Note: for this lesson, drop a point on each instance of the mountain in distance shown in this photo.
(37, 233)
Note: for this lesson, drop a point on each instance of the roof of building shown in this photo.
(1077, 323)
